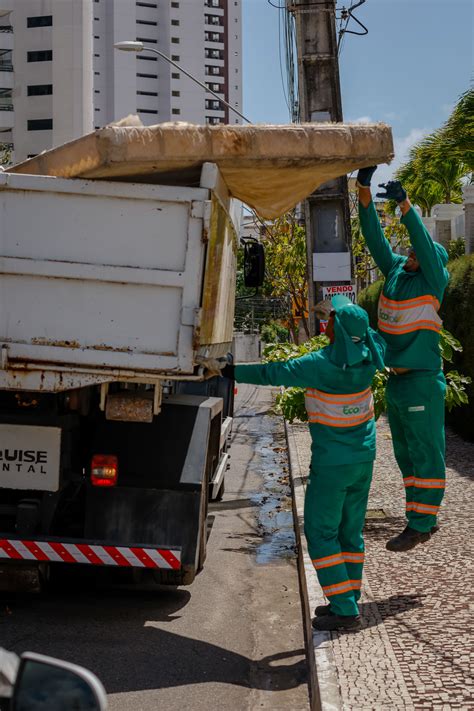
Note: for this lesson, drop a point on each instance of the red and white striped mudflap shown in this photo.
(91, 554)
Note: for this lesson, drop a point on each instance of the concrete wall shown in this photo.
(246, 348)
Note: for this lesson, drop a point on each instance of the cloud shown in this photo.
(402, 145)
(362, 119)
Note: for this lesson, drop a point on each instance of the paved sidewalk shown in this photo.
(416, 650)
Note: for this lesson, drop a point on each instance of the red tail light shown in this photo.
(104, 470)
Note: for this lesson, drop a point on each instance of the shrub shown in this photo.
(369, 299)
(457, 312)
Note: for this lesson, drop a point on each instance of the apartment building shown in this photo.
(60, 76)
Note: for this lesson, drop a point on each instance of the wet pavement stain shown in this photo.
(275, 515)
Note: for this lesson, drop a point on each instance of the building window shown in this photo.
(148, 76)
(96, 91)
(175, 75)
(40, 124)
(147, 4)
(175, 93)
(175, 111)
(212, 19)
(144, 39)
(216, 71)
(212, 3)
(215, 87)
(96, 36)
(147, 93)
(6, 64)
(40, 89)
(45, 55)
(40, 21)
(96, 55)
(212, 37)
(6, 101)
(212, 120)
(213, 53)
(146, 22)
(97, 74)
(147, 111)
(213, 104)
(175, 57)
(175, 4)
(175, 23)
(146, 58)
(175, 40)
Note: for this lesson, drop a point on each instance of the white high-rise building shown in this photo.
(60, 76)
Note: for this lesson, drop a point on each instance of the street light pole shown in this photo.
(130, 46)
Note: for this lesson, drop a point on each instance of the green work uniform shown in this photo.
(340, 411)
(409, 322)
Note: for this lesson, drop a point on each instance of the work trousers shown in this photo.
(334, 514)
(415, 406)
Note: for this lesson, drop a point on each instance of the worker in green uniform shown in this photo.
(409, 322)
(340, 411)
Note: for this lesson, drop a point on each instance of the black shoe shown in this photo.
(333, 622)
(407, 539)
(323, 610)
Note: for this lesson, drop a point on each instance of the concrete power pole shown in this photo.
(327, 215)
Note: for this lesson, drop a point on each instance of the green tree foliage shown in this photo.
(286, 270)
(457, 313)
(458, 131)
(437, 164)
(273, 332)
(456, 248)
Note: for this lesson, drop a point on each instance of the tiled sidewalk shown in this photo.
(416, 650)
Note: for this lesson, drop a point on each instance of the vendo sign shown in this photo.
(344, 289)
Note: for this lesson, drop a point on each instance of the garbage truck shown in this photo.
(117, 289)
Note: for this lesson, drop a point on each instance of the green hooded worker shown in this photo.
(340, 411)
(409, 322)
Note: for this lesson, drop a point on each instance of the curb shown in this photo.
(323, 681)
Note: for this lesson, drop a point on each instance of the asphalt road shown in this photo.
(232, 640)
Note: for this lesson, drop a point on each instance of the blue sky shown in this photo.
(408, 71)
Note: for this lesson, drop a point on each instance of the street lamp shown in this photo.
(130, 46)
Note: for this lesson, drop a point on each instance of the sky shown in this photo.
(408, 71)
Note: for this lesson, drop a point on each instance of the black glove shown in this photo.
(228, 371)
(364, 176)
(394, 191)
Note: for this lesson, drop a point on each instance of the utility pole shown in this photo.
(327, 215)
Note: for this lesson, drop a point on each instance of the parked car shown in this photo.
(34, 682)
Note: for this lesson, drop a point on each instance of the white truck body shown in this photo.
(115, 293)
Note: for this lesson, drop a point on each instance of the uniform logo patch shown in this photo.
(417, 408)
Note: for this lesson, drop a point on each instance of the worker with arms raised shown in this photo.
(409, 322)
(341, 420)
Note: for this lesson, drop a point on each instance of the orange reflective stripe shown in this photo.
(339, 421)
(339, 398)
(414, 326)
(421, 508)
(400, 317)
(353, 557)
(424, 483)
(407, 303)
(343, 587)
(339, 410)
(328, 561)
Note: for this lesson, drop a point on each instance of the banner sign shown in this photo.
(344, 289)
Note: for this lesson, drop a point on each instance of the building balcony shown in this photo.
(7, 119)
